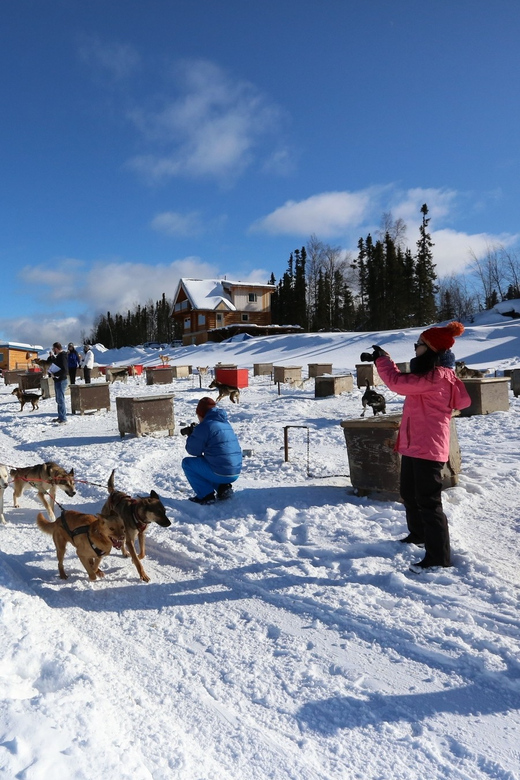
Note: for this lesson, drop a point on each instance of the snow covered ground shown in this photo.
(282, 634)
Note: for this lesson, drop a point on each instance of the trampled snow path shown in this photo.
(282, 635)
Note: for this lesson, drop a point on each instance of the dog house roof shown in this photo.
(15, 345)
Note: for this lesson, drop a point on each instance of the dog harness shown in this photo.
(83, 529)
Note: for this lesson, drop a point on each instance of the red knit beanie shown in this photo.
(204, 405)
(441, 339)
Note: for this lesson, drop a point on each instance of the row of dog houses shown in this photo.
(488, 394)
(373, 464)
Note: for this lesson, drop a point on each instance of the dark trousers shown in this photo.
(72, 375)
(86, 375)
(421, 488)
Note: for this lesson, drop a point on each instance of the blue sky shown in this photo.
(144, 141)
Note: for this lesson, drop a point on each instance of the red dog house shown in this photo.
(235, 377)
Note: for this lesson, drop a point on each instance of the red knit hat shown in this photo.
(441, 339)
(204, 405)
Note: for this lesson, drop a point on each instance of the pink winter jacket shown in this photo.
(425, 428)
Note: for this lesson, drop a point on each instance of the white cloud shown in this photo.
(175, 224)
(117, 61)
(120, 286)
(452, 250)
(57, 282)
(329, 214)
(213, 128)
(407, 205)
(45, 330)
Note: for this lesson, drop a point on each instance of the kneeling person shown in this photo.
(218, 455)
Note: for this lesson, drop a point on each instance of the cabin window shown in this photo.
(253, 297)
(220, 319)
(245, 317)
(201, 319)
(187, 323)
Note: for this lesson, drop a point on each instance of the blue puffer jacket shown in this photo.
(216, 440)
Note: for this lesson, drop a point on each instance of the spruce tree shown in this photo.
(425, 309)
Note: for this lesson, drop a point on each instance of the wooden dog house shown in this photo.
(181, 372)
(145, 414)
(374, 465)
(368, 371)
(333, 385)
(487, 395)
(287, 373)
(318, 369)
(159, 376)
(262, 369)
(30, 380)
(89, 398)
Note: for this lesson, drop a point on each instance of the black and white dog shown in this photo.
(373, 399)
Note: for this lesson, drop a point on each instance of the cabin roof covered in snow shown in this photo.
(212, 293)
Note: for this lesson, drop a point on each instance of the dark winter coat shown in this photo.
(216, 440)
(60, 360)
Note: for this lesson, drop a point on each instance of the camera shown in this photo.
(188, 430)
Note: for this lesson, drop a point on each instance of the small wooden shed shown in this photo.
(15, 356)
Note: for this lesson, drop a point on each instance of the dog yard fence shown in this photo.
(286, 444)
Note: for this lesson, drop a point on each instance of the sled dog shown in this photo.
(137, 514)
(373, 399)
(225, 391)
(45, 478)
(93, 536)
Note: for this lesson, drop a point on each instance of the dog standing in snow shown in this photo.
(373, 399)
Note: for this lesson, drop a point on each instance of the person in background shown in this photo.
(87, 362)
(431, 392)
(73, 362)
(59, 373)
(217, 460)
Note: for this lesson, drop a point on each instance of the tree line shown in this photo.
(151, 322)
(384, 286)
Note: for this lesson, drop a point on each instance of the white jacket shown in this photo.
(88, 359)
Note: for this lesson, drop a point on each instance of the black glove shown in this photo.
(378, 352)
(188, 430)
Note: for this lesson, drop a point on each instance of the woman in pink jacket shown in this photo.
(432, 392)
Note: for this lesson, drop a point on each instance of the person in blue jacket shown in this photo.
(73, 362)
(218, 455)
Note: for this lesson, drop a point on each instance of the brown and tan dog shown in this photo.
(225, 391)
(43, 364)
(463, 372)
(137, 514)
(26, 398)
(45, 478)
(93, 536)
